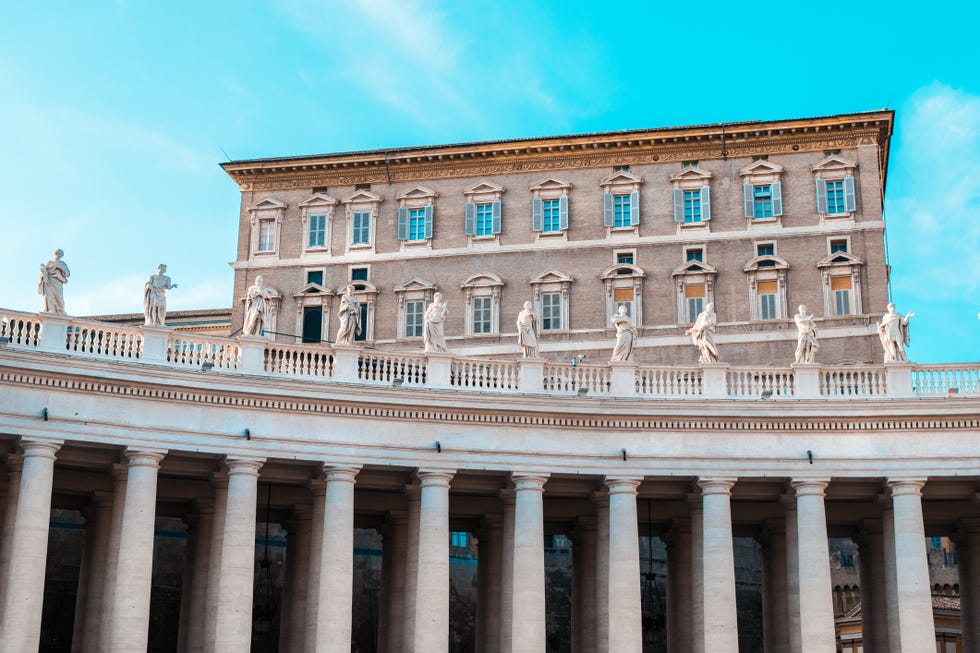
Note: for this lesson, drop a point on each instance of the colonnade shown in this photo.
(702, 613)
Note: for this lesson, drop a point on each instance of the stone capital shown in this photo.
(528, 481)
(622, 485)
(40, 448)
(905, 486)
(809, 487)
(339, 473)
(243, 466)
(144, 457)
(435, 477)
(716, 485)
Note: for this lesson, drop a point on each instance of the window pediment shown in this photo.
(616, 272)
(312, 289)
(417, 193)
(621, 180)
(551, 276)
(269, 204)
(834, 165)
(484, 188)
(362, 197)
(483, 280)
(694, 267)
(319, 199)
(416, 284)
(761, 168)
(551, 184)
(691, 175)
(761, 263)
(839, 259)
(361, 287)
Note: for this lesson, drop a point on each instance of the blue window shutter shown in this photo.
(607, 210)
(678, 205)
(495, 210)
(777, 198)
(402, 223)
(563, 212)
(849, 199)
(705, 203)
(821, 196)
(469, 224)
(537, 214)
(634, 208)
(428, 221)
(748, 205)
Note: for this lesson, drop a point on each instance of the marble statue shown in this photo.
(350, 318)
(435, 315)
(527, 331)
(258, 307)
(54, 275)
(703, 335)
(806, 337)
(155, 297)
(893, 331)
(625, 336)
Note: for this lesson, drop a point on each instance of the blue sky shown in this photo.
(115, 114)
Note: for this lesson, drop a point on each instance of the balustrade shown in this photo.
(753, 382)
(669, 382)
(571, 378)
(190, 351)
(104, 340)
(485, 374)
(20, 328)
(298, 360)
(946, 379)
(853, 381)
(386, 367)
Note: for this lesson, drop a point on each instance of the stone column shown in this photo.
(625, 608)
(194, 594)
(601, 500)
(335, 591)
(871, 558)
(432, 585)
(15, 463)
(134, 566)
(969, 568)
(816, 590)
(414, 495)
(299, 538)
(233, 623)
(119, 473)
(891, 578)
(319, 489)
(774, 595)
(584, 586)
(792, 574)
(88, 613)
(718, 554)
(507, 572)
(491, 557)
(697, 573)
(220, 482)
(917, 631)
(21, 629)
(679, 595)
(530, 633)
(396, 548)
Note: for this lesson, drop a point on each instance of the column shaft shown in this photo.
(891, 580)
(507, 573)
(625, 608)
(601, 500)
(720, 612)
(490, 560)
(874, 620)
(697, 574)
(432, 591)
(15, 464)
(90, 610)
(529, 614)
(299, 537)
(414, 495)
(233, 624)
(335, 590)
(585, 574)
(792, 576)
(319, 488)
(917, 630)
(396, 547)
(213, 596)
(21, 629)
(120, 473)
(679, 594)
(816, 591)
(774, 597)
(195, 594)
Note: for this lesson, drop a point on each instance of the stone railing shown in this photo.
(60, 334)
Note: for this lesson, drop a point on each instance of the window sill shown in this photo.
(764, 223)
(557, 236)
(416, 244)
(262, 254)
(483, 241)
(619, 232)
(693, 227)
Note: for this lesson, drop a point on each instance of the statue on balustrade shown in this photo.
(259, 300)
(350, 318)
(433, 336)
(893, 331)
(54, 275)
(625, 336)
(806, 337)
(527, 331)
(703, 335)
(155, 297)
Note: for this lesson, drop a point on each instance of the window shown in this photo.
(416, 224)
(459, 540)
(482, 215)
(836, 195)
(766, 292)
(359, 274)
(692, 206)
(625, 257)
(841, 289)
(694, 254)
(482, 315)
(317, 231)
(838, 245)
(692, 197)
(621, 200)
(484, 219)
(694, 299)
(551, 311)
(624, 287)
(689, 164)
(266, 236)
(621, 168)
(549, 208)
(265, 219)
(621, 210)
(762, 190)
(624, 297)
(415, 215)
(552, 215)
(360, 228)
(314, 276)
(414, 318)
(762, 201)
(765, 249)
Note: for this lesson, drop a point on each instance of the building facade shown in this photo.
(756, 218)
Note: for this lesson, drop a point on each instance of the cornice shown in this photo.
(566, 152)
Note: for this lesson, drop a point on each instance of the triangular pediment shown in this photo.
(621, 177)
(551, 276)
(312, 289)
(839, 258)
(688, 174)
(834, 162)
(415, 284)
(417, 192)
(484, 187)
(269, 203)
(360, 287)
(761, 167)
(551, 183)
(319, 199)
(482, 279)
(694, 267)
(362, 196)
(765, 263)
(623, 270)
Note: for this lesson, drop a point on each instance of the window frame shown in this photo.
(837, 265)
(268, 212)
(550, 189)
(758, 174)
(697, 181)
(413, 290)
(552, 281)
(485, 193)
(836, 169)
(480, 285)
(416, 199)
(624, 187)
(362, 201)
(693, 273)
(319, 204)
(613, 280)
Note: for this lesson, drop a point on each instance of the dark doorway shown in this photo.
(312, 323)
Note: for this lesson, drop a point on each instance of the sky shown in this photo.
(115, 115)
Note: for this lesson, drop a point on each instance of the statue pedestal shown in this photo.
(54, 333)
(806, 380)
(438, 369)
(622, 378)
(155, 342)
(531, 375)
(714, 379)
(252, 354)
(345, 362)
(898, 378)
